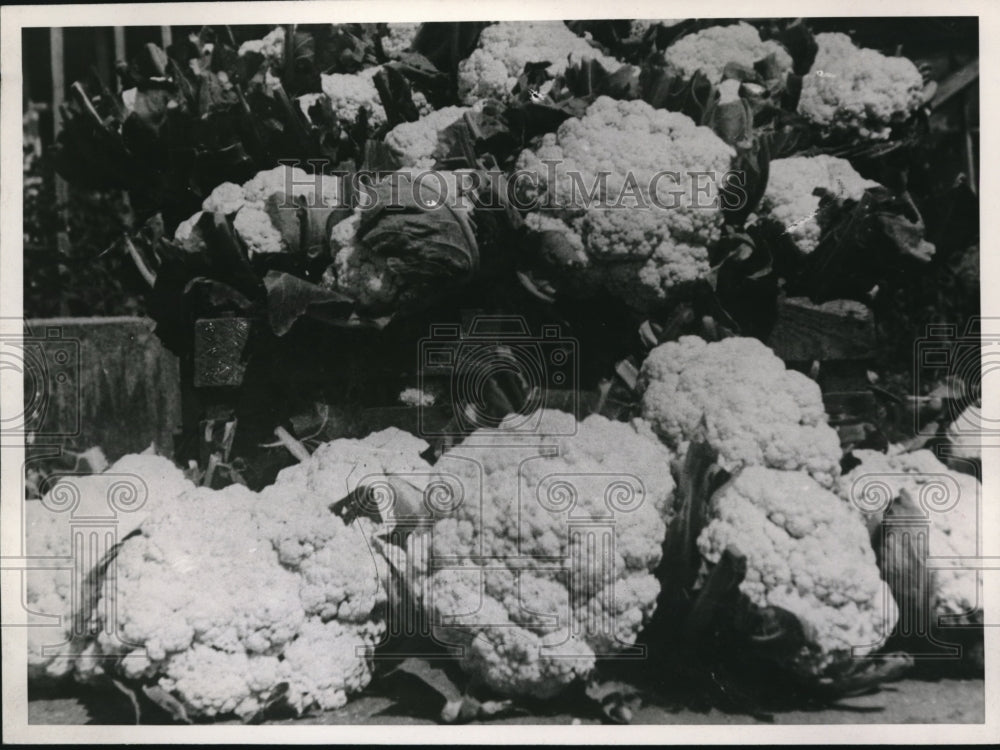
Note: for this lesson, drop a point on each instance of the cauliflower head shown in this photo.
(504, 48)
(249, 202)
(757, 413)
(271, 47)
(125, 494)
(790, 195)
(654, 176)
(349, 93)
(856, 91)
(399, 38)
(226, 595)
(806, 553)
(711, 49)
(415, 143)
(335, 469)
(950, 500)
(541, 555)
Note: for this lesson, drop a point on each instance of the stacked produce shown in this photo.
(374, 180)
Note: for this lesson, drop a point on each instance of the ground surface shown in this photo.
(946, 701)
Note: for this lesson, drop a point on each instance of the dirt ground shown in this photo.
(945, 701)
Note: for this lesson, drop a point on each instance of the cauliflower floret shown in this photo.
(255, 228)
(858, 91)
(950, 500)
(317, 190)
(711, 49)
(187, 238)
(504, 48)
(252, 220)
(643, 230)
(226, 198)
(321, 666)
(806, 553)
(349, 93)
(366, 276)
(756, 412)
(272, 46)
(417, 397)
(790, 198)
(399, 38)
(571, 592)
(336, 469)
(415, 143)
(217, 683)
(125, 494)
(216, 536)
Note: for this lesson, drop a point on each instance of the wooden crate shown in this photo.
(109, 382)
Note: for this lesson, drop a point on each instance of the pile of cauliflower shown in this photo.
(504, 48)
(807, 552)
(849, 90)
(532, 549)
(645, 234)
(229, 599)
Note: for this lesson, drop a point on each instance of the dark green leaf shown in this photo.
(801, 44)
(290, 298)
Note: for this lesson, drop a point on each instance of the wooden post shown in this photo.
(104, 64)
(57, 64)
(57, 61)
(167, 34)
(120, 44)
(968, 146)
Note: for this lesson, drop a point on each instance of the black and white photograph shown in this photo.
(498, 374)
